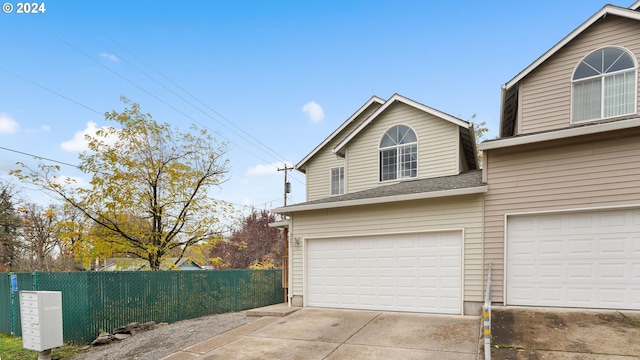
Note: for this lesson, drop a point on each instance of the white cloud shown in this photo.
(247, 202)
(110, 57)
(79, 143)
(314, 111)
(45, 128)
(8, 125)
(261, 169)
(73, 181)
(268, 169)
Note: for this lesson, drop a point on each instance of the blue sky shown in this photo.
(274, 78)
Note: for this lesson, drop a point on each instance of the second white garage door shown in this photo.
(408, 272)
(584, 259)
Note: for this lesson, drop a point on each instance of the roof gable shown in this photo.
(606, 10)
(371, 102)
(392, 100)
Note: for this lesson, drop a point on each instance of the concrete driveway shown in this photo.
(313, 333)
(521, 333)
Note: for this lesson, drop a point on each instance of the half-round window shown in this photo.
(604, 85)
(398, 154)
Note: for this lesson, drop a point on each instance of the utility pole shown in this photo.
(287, 185)
(285, 236)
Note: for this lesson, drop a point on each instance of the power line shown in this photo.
(51, 91)
(157, 98)
(278, 156)
(264, 146)
(40, 157)
(154, 96)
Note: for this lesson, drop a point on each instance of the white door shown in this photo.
(585, 259)
(417, 272)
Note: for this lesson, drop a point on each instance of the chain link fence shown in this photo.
(93, 302)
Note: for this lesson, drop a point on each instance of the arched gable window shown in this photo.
(398, 154)
(604, 85)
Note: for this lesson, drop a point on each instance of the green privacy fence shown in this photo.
(100, 301)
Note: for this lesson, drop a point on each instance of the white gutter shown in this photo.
(560, 134)
(279, 224)
(381, 200)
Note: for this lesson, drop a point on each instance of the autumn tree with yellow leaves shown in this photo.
(151, 185)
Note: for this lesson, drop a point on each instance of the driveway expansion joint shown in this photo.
(352, 335)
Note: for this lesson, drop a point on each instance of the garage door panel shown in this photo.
(392, 272)
(577, 260)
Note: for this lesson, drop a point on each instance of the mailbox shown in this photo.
(41, 319)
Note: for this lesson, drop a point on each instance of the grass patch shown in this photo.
(630, 320)
(11, 349)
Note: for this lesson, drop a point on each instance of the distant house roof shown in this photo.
(129, 264)
(469, 182)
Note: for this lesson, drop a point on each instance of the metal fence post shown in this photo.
(35, 281)
(14, 289)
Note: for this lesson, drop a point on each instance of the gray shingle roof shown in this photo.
(467, 179)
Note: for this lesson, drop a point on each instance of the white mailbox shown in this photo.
(41, 319)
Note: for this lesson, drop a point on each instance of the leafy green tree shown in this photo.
(150, 185)
(9, 225)
(479, 129)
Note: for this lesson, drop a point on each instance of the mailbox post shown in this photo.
(41, 319)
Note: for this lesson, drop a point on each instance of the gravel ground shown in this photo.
(166, 340)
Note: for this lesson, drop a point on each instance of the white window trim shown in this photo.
(398, 179)
(635, 89)
(344, 177)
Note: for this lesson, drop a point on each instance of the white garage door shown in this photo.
(417, 272)
(587, 259)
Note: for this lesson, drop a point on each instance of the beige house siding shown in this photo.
(460, 212)
(438, 147)
(585, 172)
(318, 169)
(545, 94)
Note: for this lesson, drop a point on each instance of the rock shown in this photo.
(121, 336)
(159, 325)
(131, 328)
(147, 325)
(102, 339)
(123, 332)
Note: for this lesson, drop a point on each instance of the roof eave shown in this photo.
(382, 200)
(279, 224)
(561, 134)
